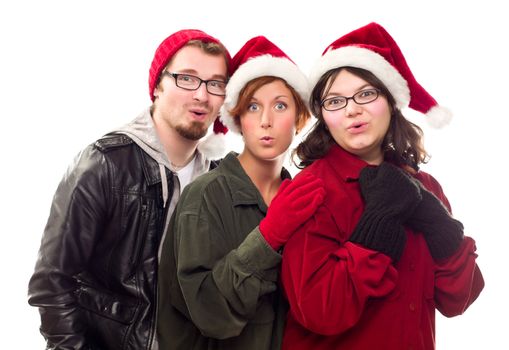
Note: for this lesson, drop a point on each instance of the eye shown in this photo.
(217, 84)
(280, 106)
(367, 93)
(335, 101)
(185, 78)
(253, 107)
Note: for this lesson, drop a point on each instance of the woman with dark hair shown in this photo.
(220, 260)
(382, 251)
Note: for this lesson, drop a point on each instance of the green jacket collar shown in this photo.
(243, 191)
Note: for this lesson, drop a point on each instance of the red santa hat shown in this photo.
(213, 145)
(260, 57)
(373, 49)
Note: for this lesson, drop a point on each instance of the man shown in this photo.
(95, 280)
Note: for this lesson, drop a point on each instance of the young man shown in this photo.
(95, 280)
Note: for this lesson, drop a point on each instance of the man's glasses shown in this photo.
(361, 98)
(191, 82)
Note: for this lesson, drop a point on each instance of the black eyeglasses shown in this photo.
(361, 98)
(191, 82)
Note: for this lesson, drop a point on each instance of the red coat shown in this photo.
(345, 296)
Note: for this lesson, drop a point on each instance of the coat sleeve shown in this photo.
(328, 282)
(76, 217)
(458, 279)
(221, 283)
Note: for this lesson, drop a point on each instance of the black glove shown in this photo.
(442, 232)
(390, 196)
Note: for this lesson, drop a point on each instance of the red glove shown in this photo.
(295, 202)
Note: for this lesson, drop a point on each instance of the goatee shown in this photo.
(193, 132)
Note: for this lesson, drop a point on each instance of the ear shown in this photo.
(156, 92)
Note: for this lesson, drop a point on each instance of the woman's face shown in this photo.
(358, 128)
(268, 124)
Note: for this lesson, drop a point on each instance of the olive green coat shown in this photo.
(218, 277)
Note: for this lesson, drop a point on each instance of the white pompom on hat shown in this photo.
(373, 49)
(260, 57)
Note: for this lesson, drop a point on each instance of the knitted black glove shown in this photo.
(390, 196)
(442, 232)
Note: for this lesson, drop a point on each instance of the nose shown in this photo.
(266, 118)
(201, 94)
(352, 108)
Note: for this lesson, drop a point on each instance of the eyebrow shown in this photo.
(275, 98)
(362, 87)
(193, 72)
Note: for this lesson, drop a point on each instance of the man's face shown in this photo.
(188, 112)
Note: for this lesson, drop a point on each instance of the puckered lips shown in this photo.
(357, 127)
(199, 113)
(267, 140)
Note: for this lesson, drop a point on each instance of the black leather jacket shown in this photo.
(95, 280)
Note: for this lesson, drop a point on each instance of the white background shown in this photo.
(72, 70)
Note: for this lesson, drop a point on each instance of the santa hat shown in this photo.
(213, 145)
(373, 49)
(260, 57)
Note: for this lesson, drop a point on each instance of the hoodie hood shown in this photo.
(142, 131)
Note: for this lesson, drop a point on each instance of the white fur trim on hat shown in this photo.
(359, 57)
(438, 117)
(264, 65)
(213, 146)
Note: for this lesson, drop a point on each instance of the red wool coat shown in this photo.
(345, 296)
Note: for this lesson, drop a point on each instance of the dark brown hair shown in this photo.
(248, 91)
(402, 145)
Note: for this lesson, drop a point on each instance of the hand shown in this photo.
(390, 190)
(295, 202)
(442, 232)
(390, 195)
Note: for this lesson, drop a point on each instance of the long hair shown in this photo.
(402, 145)
(248, 91)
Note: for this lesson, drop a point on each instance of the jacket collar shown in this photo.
(142, 131)
(344, 164)
(243, 191)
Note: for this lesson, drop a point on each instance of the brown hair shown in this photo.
(402, 145)
(247, 92)
(212, 48)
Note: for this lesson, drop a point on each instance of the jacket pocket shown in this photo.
(111, 306)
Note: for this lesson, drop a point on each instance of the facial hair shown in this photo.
(193, 132)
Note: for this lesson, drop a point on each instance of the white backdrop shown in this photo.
(72, 70)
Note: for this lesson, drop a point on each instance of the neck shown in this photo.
(373, 157)
(179, 150)
(265, 174)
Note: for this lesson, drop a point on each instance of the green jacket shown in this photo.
(218, 277)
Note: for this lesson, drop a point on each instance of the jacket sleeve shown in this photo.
(76, 217)
(458, 279)
(328, 282)
(221, 280)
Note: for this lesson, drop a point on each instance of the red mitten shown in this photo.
(295, 202)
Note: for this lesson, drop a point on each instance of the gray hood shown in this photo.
(142, 131)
